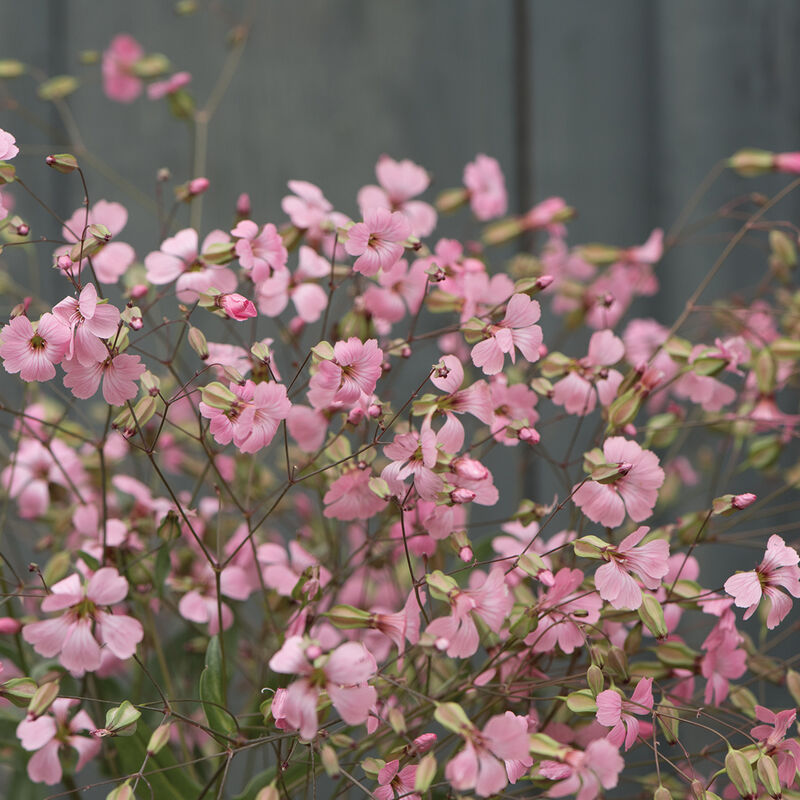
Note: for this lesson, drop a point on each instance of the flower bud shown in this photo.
(122, 792)
(243, 207)
(329, 761)
(768, 775)
(662, 793)
(397, 722)
(452, 717)
(43, 698)
(9, 625)
(218, 396)
(738, 768)
(57, 87)
(343, 616)
(268, 793)
(121, 721)
(651, 613)
(668, 720)
(750, 162)
(793, 685)
(502, 231)
(590, 546)
(617, 663)
(423, 743)
(159, 738)
(426, 772)
(440, 584)
(62, 162)
(529, 435)
(451, 200)
(10, 68)
(198, 342)
(461, 496)
(19, 691)
(236, 306)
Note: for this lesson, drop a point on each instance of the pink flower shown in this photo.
(399, 182)
(118, 373)
(378, 240)
(589, 378)
(772, 736)
(307, 208)
(343, 674)
(51, 733)
(76, 636)
(33, 354)
(487, 188)
(546, 214)
(119, 81)
(398, 289)
(613, 580)
(563, 611)
(394, 782)
(488, 598)
(516, 330)
(634, 491)
(114, 258)
(512, 404)
(89, 323)
(201, 603)
(282, 571)
(584, 774)
(351, 374)
(787, 162)
(483, 763)
(159, 89)
(616, 712)
(413, 454)
(180, 259)
(260, 252)
(777, 568)
(723, 658)
(8, 148)
(236, 306)
(349, 496)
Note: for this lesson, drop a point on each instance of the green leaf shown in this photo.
(212, 690)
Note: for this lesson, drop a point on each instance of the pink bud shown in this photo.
(787, 162)
(529, 435)
(424, 743)
(741, 501)
(23, 229)
(243, 208)
(313, 651)
(543, 281)
(139, 290)
(629, 429)
(465, 554)
(136, 323)
(198, 186)
(459, 496)
(355, 416)
(9, 625)
(64, 262)
(375, 410)
(236, 306)
(624, 468)
(466, 467)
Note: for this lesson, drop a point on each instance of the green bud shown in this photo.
(426, 772)
(122, 792)
(329, 761)
(159, 738)
(545, 747)
(198, 342)
(218, 396)
(153, 65)
(57, 88)
(62, 162)
(451, 200)
(581, 702)
(662, 793)
(379, 487)
(590, 546)
(668, 719)
(599, 254)
(502, 231)
(11, 68)
(220, 253)
(766, 371)
(750, 162)
(676, 654)
(452, 717)
(763, 452)
(121, 720)
(43, 698)
(793, 685)
(617, 663)
(651, 613)
(595, 679)
(348, 617)
(440, 584)
(738, 768)
(768, 775)
(397, 722)
(19, 691)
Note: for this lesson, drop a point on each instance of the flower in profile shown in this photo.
(343, 674)
(633, 489)
(649, 561)
(777, 569)
(484, 179)
(517, 330)
(8, 147)
(584, 773)
(723, 658)
(33, 353)
(261, 252)
(119, 81)
(53, 732)
(399, 182)
(173, 84)
(772, 735)
(77, 635)
(236, 306)
(616, 712)
(378, 240)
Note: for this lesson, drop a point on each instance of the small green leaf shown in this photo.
(212, 690)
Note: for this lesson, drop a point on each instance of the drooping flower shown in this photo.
(723, 658)
(34, 353)
(517, 330)
(378, 240)
(77, 635)
(53, 732)
(772, 735)
(119, 81)
(617, 713)
(777, 569)
(343, 673)
(635, 489)
(484, 179)
(649, 561)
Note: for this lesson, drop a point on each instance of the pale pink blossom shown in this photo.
(394, 782)
(34, 353)
(517, 330)
(777, 569)
(414, 455)
(119, 81)
(89, 323)
(546, 214)
(772, 735)
(788, 163)
(487, 188)
(351, 374)
(159, 89)
(399, 182)
(201, 603)
(723, 658)
(649, 561)
(8, 147)
(635, 491)
(118, 373)
(482, 764)
(617, 713)
(180, 259)
(399, 290)
(307, 426)
(513, 405)
(344, 674)
(584, 774)
(53, 732)
(112, 260)
(378, 240)
(282, 569)
(349, 496)
(261, 252)
(78, 634)
(307, 208)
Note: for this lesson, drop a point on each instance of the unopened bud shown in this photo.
(62, 162)
(198, 342)
(750, 162)
(426, 772)
(19, 691)
(122, 792)
(329, 761)
(43, 698)
(469, 468)
(343, 616)
(268, 793)
(451, 200)
(243, 207)
(651, 613)
(502, 231)
(218, 396)
(768, 775)
(668, 720)
(460, 496)
(617, 663)
(740, 773)
(121, 721)
(452, 717)
(159, 738)
(662, 793)
(595, 679)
